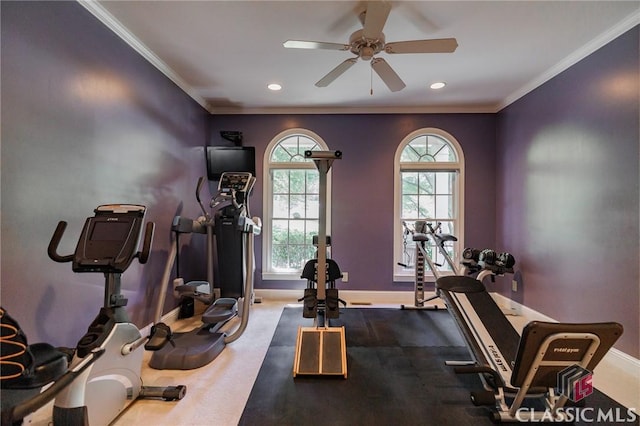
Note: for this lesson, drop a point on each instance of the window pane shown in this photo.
(427, 206)
(279, 256)
(297, 181)
(312, 229)
(313, 207)
(409, 183)
(296, 232)
(280, 181)
(444, 183)
(410, 206)
(409, 155)
(426, 181)
(280, 231)
(419, 144)
(280, 155)
(313, 182)
(297, 257)
(444, 207)
(280, 206)
(306, 144)
(298, 207)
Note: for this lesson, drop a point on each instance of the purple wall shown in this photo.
(85, 121)
(362, 235)
(568, 191)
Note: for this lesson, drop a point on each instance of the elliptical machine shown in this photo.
(108, 244)
(200, 346)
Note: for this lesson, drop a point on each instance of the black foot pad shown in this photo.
(310, 308)
(332, 304)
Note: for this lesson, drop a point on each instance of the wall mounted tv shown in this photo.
(222, 159)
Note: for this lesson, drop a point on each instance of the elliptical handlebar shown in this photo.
(52, 250)
(201, 180)
(143, 256)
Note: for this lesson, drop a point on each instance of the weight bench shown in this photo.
(550, 363)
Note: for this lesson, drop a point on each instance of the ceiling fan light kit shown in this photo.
(369, 41)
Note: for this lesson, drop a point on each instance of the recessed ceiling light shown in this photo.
(274, 86)
(438, 85)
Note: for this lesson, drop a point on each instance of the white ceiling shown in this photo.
(224, 53)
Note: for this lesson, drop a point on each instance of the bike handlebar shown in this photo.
(52, 250)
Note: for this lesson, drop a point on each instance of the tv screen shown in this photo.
(222, 159)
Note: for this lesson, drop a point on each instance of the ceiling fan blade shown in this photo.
(440, 45)
(300, 44)
(336, 72)
(375, 18)
(387, 74)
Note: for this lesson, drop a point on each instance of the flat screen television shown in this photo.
(222, 159)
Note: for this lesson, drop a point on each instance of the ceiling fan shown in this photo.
(369, 41)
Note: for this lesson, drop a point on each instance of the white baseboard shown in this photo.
(355, 297)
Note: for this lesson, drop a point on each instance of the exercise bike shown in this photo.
(108, 244)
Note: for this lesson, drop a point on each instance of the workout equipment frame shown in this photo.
(107, 385)
(421, 232)
(515, 369)
(321, 350)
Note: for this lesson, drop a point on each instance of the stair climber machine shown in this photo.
(321, 349)
(103, 377)
(233, 231)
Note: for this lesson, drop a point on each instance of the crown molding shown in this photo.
(121, 31)
(586, 50)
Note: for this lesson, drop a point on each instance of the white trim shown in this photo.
(575, 57)
(416, 109)
(350, 296)
(97, 10)
(458, 166)
(282, 276)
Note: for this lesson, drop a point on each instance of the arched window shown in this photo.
(291, 203)
(429, 179)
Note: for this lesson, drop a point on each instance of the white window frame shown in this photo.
(267, 190)
(401, 274)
